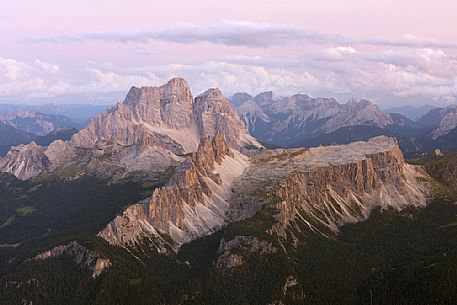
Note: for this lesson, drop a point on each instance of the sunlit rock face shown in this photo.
(81, 255)
(170, 116)
(193, 203)
(25, 161)
(328, 186)
(149, 131)
(165, 110)
(213, 114)
(448, 121)
(323, 187)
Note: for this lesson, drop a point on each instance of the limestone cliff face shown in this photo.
(155, 110)
(244, 246)
(323, 187)
(169, 116)
(25, 161)
(319, 189)
(336, 194)
(147, 132)
(192, 204)
(29, 160)
(213, 114)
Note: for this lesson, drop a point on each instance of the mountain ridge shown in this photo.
(303, 120)
(150, 131)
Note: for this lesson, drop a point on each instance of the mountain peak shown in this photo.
(192, 203)
(354, 103)
(153, 127)
(239, 98)
(214, 93)
(177, 82)
(264, 97)
(282, 120)
(211, 110)
(176, 90)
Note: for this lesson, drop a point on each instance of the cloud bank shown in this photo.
(246, 34)
(427, 73)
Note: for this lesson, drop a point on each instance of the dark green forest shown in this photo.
(407, 257)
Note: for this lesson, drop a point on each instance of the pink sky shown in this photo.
(390, 51)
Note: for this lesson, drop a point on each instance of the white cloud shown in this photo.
(38, 79)
(248, 34)
(244, 33)
(344, 70)
(408, 40)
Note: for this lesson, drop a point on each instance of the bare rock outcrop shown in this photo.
(29, 160)
(232, 252)
(81, 255)
(169, 116)
(165, 110)
(25, 161)
(148, 132)
(213, 114)
(322, 188)
(447, 123)
(282, 119)
(347, 193)
(325, 187)
(192, 204)
(319, 188)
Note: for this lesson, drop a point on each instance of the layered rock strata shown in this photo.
(322, 187)
(192, 204)
(147, 132)
(326, 187)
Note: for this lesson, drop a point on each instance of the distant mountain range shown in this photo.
(36, 122)
(20, 124)
(10, 136)
(298, 120)
(151, 130)
(411, 112)
(301, 120)
(168, 199)
(79, 113)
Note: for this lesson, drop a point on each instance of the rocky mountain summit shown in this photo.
(172, 200)
(29, 160)
(215, 181)
(194, 202)
(447, 120)
(322, 187)
(149, 131)
(343, 184)
(167, 115)
(281, 119)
